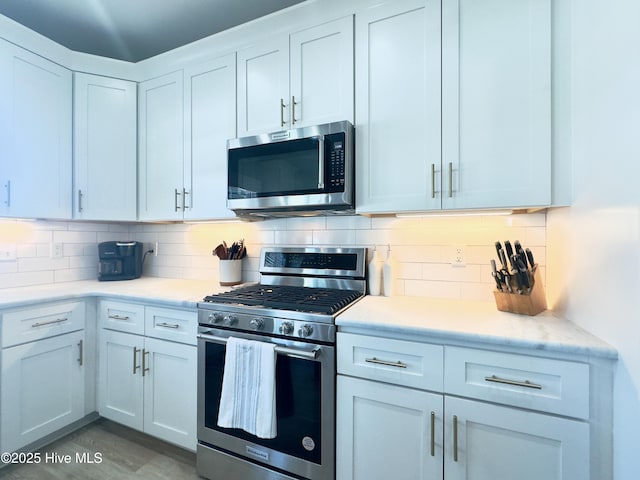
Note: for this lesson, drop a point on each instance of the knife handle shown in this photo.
(508, 248)
(529, 257)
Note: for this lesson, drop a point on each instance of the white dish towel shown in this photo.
(248, 399)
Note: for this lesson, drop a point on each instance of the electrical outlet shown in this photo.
(458, 258)
(57, 250)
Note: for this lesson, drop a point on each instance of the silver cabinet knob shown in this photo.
(257, 323)
(305, 331)
(286, 328)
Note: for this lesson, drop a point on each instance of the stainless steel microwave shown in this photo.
(303, 170)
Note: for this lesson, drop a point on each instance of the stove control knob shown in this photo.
(215, 317)
(286, 328)
(230, 320)
(257, 323)
(305, 331)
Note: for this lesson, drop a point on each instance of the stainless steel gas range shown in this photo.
(301, 291)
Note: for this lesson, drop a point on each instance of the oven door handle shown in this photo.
(310, 354)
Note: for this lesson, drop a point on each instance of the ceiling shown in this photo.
(133, 30)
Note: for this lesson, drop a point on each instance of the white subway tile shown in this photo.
(297, 237)
(306, 223)
(74, 237)
(423, 288)
(335, 238)
(354, 222)
(41, 264)
(75, 274)
(25, 279)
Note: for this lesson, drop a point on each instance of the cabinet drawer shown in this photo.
(413, 364)
(174, 325)
(555, 386)
(29, 324)
(122, 316)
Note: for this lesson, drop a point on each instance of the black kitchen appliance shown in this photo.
(119, 260)
(301, 291)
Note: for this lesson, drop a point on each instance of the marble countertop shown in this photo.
(162, 291)
(408, 317)
(426, 319)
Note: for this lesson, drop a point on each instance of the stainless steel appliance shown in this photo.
(119, 260)
(294, 306)
(308, 169)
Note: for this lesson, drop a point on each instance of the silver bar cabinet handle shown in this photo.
(450, 179)
(518, 383)
(455, 438)
(433, 434)
(433, 180)
(397, 364)
(80, 352)
(184, 199)
(119, 317)
(79, 200)
(293, 110)
(135, 354)
(41, 324)
(144, 362)
(168, 325)
(175, 200)
(282, 105)
(7, 202)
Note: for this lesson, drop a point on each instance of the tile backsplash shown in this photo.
(423, 247)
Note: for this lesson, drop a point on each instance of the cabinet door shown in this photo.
(496, 111)
(263, 87)
(210, 120)
(120, 387)
(160, 136)
(36, 139)
(42, 389)
(170, 392)
(105, 154)
(500, 442)
(398, 107)
(385, 431)
(321, 85)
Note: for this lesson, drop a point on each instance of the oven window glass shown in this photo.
(282, 168)
(298, 404)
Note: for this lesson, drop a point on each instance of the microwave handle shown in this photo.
(321, 162)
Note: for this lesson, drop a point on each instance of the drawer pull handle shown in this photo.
(398, 364)
(517, 383)
(42, 324)
(168, 325)
(119, 317)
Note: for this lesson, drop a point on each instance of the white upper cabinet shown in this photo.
(298, 80)
(496, 111)
(321, 74)
(486, 142)
(397, 106)
(210, 120)
(105, 141)
(160, 136)
(35, 143)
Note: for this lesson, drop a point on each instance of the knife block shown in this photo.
(531, 303)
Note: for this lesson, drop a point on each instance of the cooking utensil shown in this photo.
(494, 274)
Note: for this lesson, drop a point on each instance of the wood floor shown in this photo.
(126, 454)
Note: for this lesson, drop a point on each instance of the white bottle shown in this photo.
(374, 275)
(389, 271)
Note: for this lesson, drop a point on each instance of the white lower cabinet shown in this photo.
(42, 388)
(385, 431)
(397, 430)
(149, 384)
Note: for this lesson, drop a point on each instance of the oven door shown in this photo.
(305, 407)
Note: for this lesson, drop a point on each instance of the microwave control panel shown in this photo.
(335, 161)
